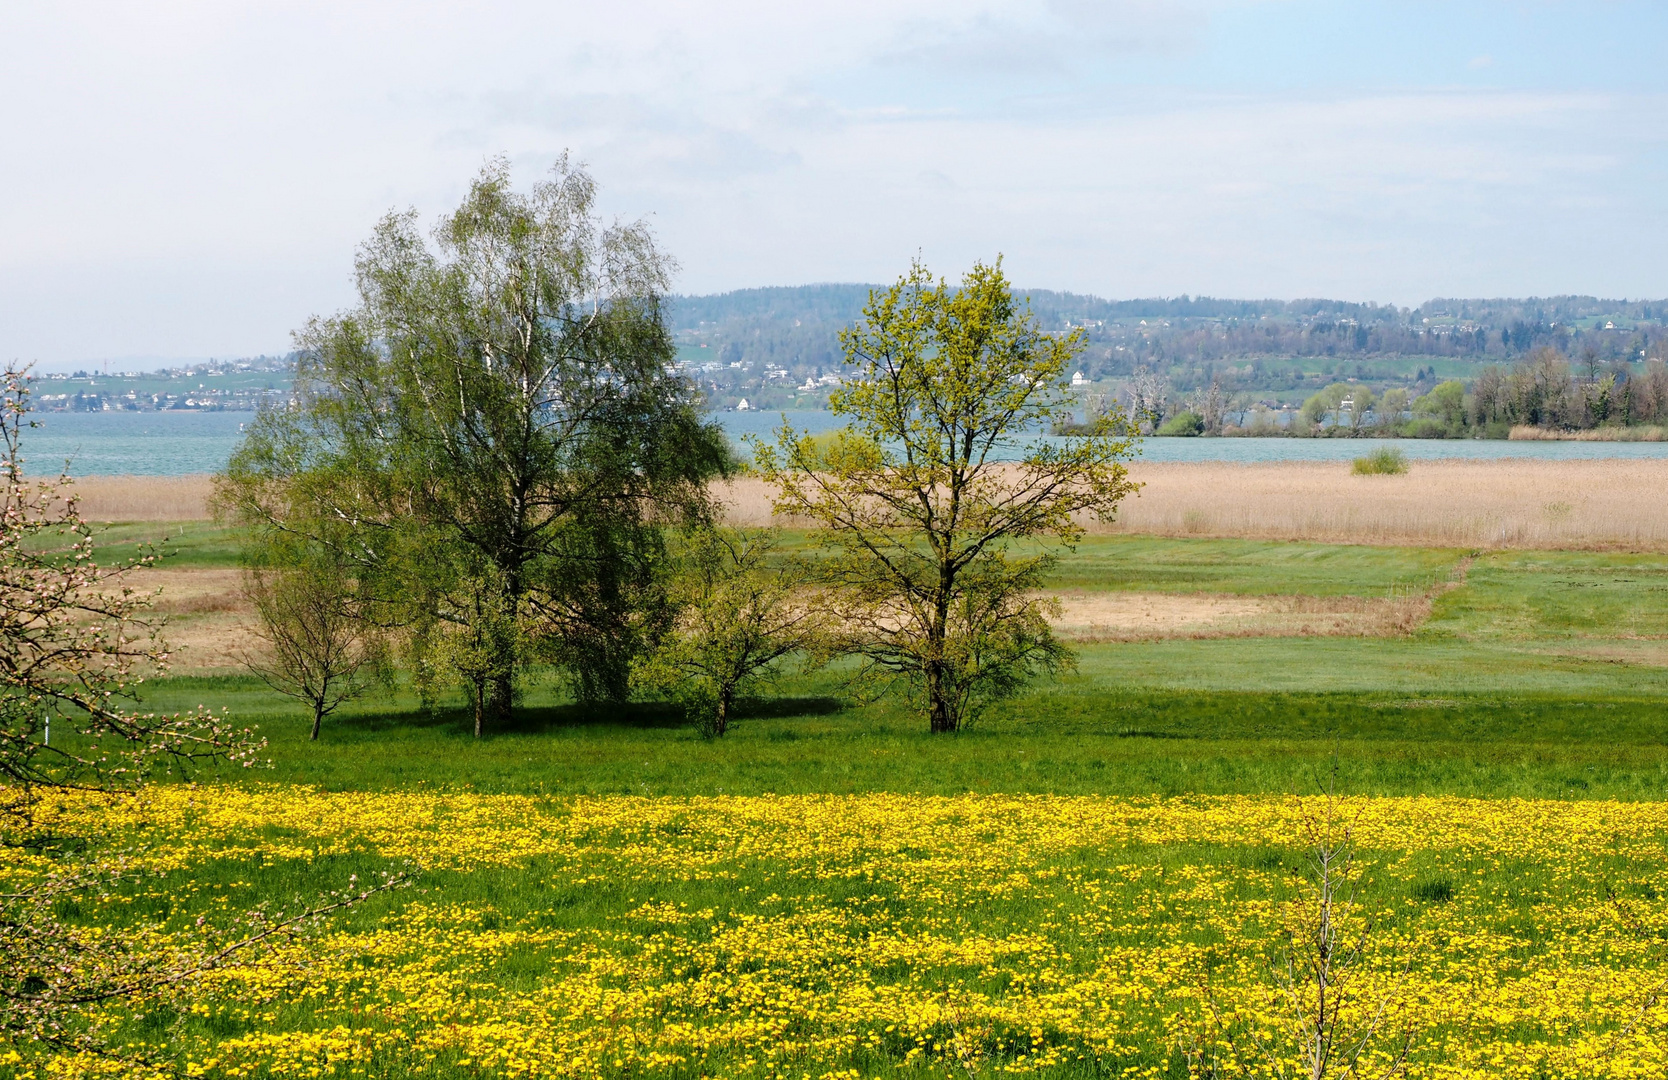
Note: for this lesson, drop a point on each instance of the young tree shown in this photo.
(936, 477)
(500, 413)
(1331, 1015)
(319, 648)
(739, 614)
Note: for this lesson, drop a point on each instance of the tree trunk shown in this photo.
(940, 716)
(938, 703)
(478, 687)
(726, 697)
(502, 699)
(318, 718)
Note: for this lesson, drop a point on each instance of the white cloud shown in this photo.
(192, 177)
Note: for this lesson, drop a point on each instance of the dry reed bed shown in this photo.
(1503, 503)
(145, 498)
(1607, 503)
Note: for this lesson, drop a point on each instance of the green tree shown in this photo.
(1391, 406)
(740, 612)
(936, 476)
(1445, 402)
(1324, 403)
(497, 436)
(1361, 402)
(319, 649)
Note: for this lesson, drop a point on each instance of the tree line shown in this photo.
(1544, 390)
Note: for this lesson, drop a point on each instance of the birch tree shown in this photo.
(497, 432)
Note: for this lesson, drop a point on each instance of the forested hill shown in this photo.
(779, 340)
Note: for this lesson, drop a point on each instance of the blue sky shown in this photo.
(190, 179)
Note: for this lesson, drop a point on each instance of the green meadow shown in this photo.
(1539, 674)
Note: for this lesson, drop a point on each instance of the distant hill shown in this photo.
(768, 342)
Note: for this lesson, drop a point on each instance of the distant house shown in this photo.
(1079, 379)
(742, 406)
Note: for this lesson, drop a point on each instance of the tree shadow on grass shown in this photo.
(575, 717)
(775, 708)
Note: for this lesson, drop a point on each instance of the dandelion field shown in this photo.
(886, 934)
(1101, 878)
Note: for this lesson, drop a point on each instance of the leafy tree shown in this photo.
(1391, 405)
(925, 493)
(1183, 423)
(320, 650)
(1326, 402)
(739, 614)
(1445, 402)
(496, 436)
(1361, 402)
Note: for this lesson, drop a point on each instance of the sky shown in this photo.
(190, 179)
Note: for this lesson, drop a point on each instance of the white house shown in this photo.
(1079, 379)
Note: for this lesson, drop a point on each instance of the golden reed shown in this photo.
(1451, 503)
(1512, 503)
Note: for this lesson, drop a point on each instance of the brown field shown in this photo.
(210, 626)
(207, 622)
(1484, 504)
(1480, 504)
(1147, 616)
(144, 498)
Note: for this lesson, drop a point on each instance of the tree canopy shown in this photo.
(939, 471)
(493, 438)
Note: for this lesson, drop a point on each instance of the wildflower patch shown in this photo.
(813, 936)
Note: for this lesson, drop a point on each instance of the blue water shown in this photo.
(133, 443)
(764, 424)
(175, 444)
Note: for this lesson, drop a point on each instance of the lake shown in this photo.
(180, 443)
(1244, 451)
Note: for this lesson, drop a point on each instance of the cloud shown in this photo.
(1477, 63)
(1056, 38)
(203, 170)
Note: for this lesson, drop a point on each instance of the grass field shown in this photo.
(828, 891)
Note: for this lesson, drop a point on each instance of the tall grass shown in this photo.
(144, 498)
(1450, 503)
(1443, 503)
(1636, 433)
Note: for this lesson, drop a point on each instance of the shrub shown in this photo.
(1183, 423)
(1388, 461)
(1427, 427)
